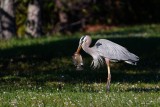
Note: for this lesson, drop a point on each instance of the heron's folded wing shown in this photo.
(113, 51)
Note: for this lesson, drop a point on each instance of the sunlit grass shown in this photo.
(81, 95)
(150, 30)
(15, 42)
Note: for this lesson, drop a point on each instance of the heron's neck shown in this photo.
(86, 47)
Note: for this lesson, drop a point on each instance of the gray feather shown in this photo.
(114, 51)
(97, 62)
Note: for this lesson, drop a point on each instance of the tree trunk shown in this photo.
(7, 19)
(33, 24)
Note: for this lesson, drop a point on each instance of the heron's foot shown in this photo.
(108, 86)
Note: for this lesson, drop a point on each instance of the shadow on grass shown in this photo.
(52, 61)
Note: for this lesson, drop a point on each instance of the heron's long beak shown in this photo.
(79, 48)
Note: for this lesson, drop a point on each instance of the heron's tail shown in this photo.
(133, 59)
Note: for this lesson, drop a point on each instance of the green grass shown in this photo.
(39, 72)
(80, 95)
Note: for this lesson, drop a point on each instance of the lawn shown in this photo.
(39, 72)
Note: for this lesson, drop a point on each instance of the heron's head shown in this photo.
(82, 41)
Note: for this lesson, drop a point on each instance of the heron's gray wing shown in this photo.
(114, 51)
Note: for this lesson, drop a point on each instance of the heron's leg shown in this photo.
(109, 75)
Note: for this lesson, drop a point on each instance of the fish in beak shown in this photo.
(77, 59)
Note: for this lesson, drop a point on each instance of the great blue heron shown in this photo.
(105, 51)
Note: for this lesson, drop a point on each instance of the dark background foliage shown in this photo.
(80, 13)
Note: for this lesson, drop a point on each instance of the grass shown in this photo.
(80, 95)
(78, 99)
(39, 72)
